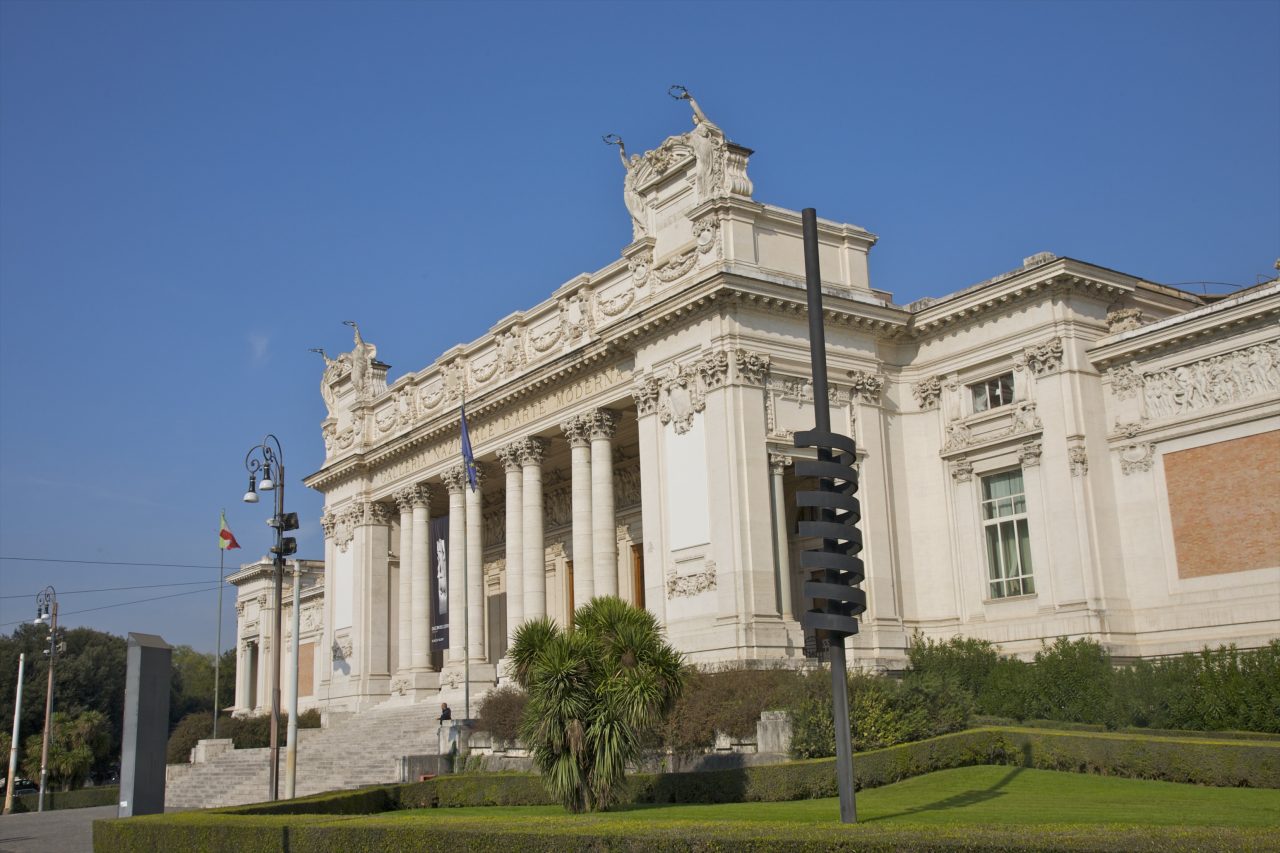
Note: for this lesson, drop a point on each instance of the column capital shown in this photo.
(601, 423)
(532, 450)
(577, 430)
(779, 461)
(373, 512)
(512, 456)
(412, 496)
(455, 480)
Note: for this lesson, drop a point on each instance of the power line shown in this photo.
(108, 563)
(113, 589)
(123, 604)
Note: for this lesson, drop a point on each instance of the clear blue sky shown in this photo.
(192, 194)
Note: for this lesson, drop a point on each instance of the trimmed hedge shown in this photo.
(81, 798)
(375, 834)
(1198, 761)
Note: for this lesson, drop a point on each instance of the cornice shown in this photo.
(1257, 306)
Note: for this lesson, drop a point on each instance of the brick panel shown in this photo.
(306, 669)
(1224, 502)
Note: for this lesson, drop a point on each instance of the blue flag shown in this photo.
(468, 458)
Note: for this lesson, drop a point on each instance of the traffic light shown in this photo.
(288, 545)
(837, 602)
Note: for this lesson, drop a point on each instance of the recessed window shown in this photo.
(996, 391)
(1004, 522)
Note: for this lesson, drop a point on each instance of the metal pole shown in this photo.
(276, 638)
(48, 706)
(13, 745)
(466, 628)
(217, 655)
(822, 418)
(291, 744)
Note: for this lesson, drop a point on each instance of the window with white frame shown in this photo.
(1004, 522)
(993, 392)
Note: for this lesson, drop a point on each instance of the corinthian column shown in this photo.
(578, 430)
(455, 482)
(535, 557)
(778, 463)
(404, 615)
(604, 535)
(475, 570)
(420, 589)
(511, 464)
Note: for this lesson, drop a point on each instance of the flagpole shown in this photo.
(217, 655)
(466, 606)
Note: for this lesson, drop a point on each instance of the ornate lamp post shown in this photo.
(47, 614)
(263, 458)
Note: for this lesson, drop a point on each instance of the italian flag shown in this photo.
(226, 539)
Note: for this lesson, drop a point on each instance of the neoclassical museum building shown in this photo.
(1061, 450)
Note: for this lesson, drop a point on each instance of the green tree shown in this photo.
(595, 693)
(76, 744)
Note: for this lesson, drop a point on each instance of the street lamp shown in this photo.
(47, 614)
(264, 457)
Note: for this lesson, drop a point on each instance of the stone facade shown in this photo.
(634, 435)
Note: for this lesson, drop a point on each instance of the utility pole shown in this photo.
(13, 744)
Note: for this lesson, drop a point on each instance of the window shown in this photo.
(997, 391)
(1004, 521)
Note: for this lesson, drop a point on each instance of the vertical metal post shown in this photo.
(822, 418)
(48, 706)
(276, 638)
(217, 655)
(13, 744)
(291, 744)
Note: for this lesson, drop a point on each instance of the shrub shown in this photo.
(245, 732)
(728, 701)
(1073, 682)
(964, 660)
(501, 711)
(882, 712)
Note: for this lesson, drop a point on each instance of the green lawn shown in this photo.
(963, 796)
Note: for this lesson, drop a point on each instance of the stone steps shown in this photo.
(353, 752)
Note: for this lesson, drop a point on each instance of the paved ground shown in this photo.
(62, 831)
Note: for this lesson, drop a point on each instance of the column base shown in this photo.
(453, 687)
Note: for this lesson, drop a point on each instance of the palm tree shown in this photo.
(594, 692)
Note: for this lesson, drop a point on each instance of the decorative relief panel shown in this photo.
(865, 386)
(626, 487)
(1221, 380)
(400, 685)
(340, 526)
(927, 391)
(1137, 457)
(312, 617)
(681, 398)
(1044, 358)
(374, 513)
(752, 367)
(342, 647)
(1029, 454)
(494, 525)
(683, 586)
(1124, 320)
(1078, 457)
(962, 470)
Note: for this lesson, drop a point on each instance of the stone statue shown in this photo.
(362, 357)
(630, 195)
(708, 143)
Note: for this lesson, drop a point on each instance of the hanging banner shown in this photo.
(439, 584)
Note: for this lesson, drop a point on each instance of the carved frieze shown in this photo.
(494, 525)
(1220, 380)
(927, 391)
(312, 617)
(684, 586)
(626, 487)
(1125, 381)
(672, 269)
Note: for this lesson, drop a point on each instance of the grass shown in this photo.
(962, 796)
(984, 808)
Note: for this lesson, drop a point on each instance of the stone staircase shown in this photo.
(360, 750)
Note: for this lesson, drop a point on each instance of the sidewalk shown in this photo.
(61, 831)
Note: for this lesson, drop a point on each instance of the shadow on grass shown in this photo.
(956, 801)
